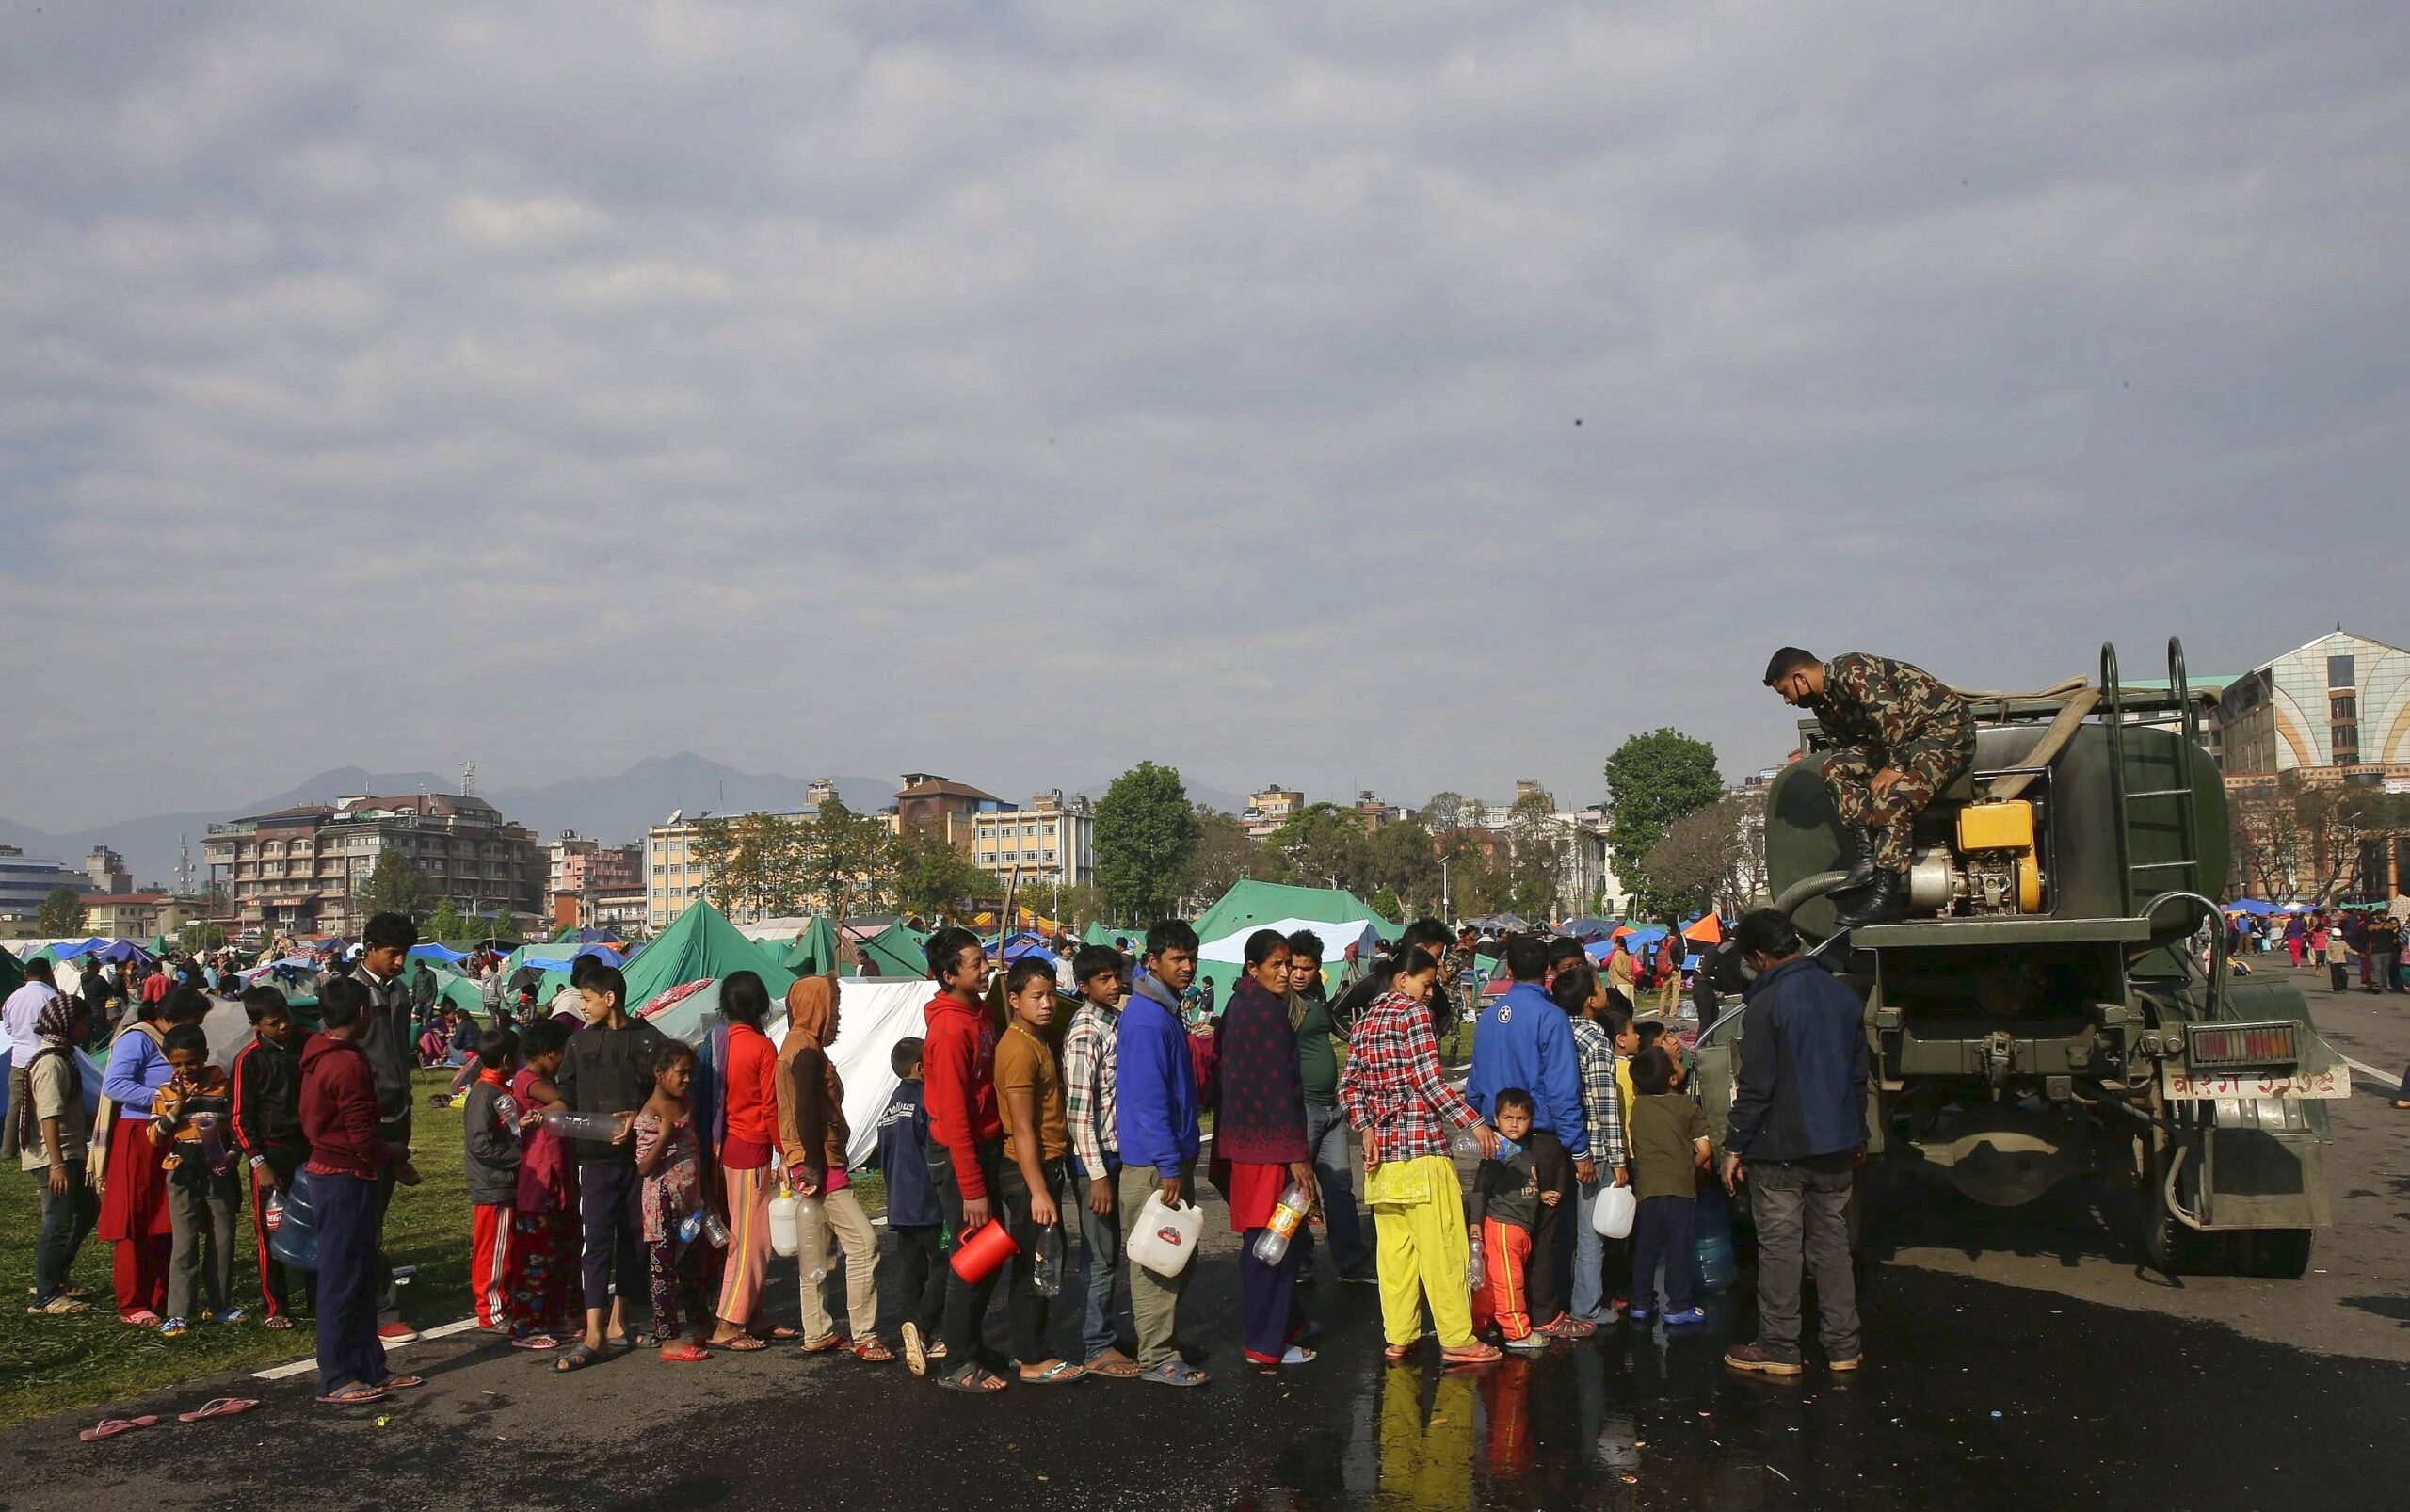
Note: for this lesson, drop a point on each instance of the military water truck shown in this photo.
(2052, 1006)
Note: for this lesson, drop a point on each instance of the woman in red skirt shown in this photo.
(1259, 1136)
(133, 1184)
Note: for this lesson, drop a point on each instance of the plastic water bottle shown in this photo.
(1046, 1273)
(704, 1224)
(812, 1226)
(1476, 1270)
(1286, 1219)
(602, 1128)
(1717, 1266)
(1467, 1146)
(275, 1211)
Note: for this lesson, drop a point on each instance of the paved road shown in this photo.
(2013, 1365)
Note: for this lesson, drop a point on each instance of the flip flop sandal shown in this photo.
(353, 1395)
(972, 1380)
(1061, 1373)
(1119, 1368)
(690, 1355)
(578, 1359)
(224, 1406)
(1471, 1355)
(872, 1352)
(279, 1323)
(744, 1344)
(111, 1427)
(1395, 1354)
(779, 1334)
(916, 1354)
(535, 1340)
(139, 1318)
(821, 1346)
(402, 1383)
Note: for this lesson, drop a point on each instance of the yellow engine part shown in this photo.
(2029, 885)
(2007, 826)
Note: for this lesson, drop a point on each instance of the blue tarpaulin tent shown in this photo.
(437, 952)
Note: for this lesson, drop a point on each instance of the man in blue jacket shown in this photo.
(1155, 1120)
(1796, 1132)
(1524, 1039)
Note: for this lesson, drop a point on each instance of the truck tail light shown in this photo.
(2209, 1047)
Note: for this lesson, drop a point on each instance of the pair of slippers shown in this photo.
(224, 1406)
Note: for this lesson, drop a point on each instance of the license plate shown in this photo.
(2188, 1085)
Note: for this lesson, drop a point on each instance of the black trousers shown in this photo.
(1032, 1310)
(911, 1279)
(1545, 1281)
(965, 1306)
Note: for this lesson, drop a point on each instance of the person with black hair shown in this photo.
(133, 1178)
(1319, 1037)
(491, 1153)
(343, 1120)
(967, 1137)
(18, 1015)
(541, 1277)
(385, 1038)
(1796, 1130)
(912, 1264)
(1669, 1149)
(1524, 1040)
(52, 1135)
(607, 1070)
(1033, 1180)
(1563, 953)
(1582, 993)
(743, 1132)
(1156, 1121)
(1089, 1106)
(267, 1128)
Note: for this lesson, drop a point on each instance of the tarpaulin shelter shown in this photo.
(1705, 930)
(1104, 934)
(1587, 930)
(13, 972)
(2253, 906)
(434, 952)
(1338, 916)
(702, 945)
(454, 992)
(897, 950)
(814, 952)
(123, 950)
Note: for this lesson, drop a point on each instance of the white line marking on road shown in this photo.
(302, 1367)
(2380, 1078)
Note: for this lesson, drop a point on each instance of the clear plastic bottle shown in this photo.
(1476, 1269)
(1467, 1146)
(566, 1124)
(275, 1211)
(704, 1224)
(812, 1232)
(1047, 1270)
(1286, 1220)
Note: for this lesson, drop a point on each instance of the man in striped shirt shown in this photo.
(1089, 1103)
(1582, 994)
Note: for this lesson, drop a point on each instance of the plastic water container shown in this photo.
(977, 1258)
(1476, 1270)
(812, 1234)
(1286, 1218)
(1464, 1146)
(704, 1224)
(1165, 1237)
(1717, 1267)
(296, 1240)
(1611, 1215)
(599, 1127)
(786, 1232)
(1045, 1273)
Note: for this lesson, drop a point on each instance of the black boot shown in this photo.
(1885, 902)
(1858, 860)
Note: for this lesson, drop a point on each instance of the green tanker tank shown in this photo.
(2052, 1007)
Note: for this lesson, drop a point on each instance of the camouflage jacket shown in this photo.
(1884, 709)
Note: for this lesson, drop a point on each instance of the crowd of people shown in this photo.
(661, 1181)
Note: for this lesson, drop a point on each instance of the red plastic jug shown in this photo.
(977, 1258)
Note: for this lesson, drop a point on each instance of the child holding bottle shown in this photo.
(682, 1263)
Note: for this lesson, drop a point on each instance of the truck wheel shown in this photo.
(2282, 1254)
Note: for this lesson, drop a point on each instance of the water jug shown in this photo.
(1611, 1215)
(1165, 1236)
(977, 1258)
(296, 1240)
(1717, 1268)
(786, 1236)
(1286, 1219)
(599, 1127)
(812, 1233)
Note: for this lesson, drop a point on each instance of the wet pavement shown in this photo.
(2014, 1362)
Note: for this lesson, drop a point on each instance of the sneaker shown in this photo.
(1640, 1316)
(396, 1332)
(1531, 1344)
(174, 1328)
(233, 1315)
(1754, 1358)
(1686, 1318)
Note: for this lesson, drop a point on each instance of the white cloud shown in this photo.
(1021, 389)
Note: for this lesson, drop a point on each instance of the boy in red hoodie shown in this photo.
(339, 1118)
(966, 1138)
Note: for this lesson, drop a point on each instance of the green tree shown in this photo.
(932, 877)
(1225, 853)
(1146, 837)
(753, 863)
(201, 935)
(1403, 860)
(848, 859)
(1444, 812)
(447, 922)
(1388, 906)
(1475, 885)
(1322, 845)
(62, 913)
(395, 884)
(1652, 781)
(1536, 847)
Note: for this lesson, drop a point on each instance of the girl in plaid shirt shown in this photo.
(1393, 1095)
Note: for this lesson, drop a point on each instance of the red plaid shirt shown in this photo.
(1392, 1086)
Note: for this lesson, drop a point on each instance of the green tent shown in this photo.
(1100, 934)
(1251, 902)
(702, 944)
(897, 950)
(459, 992)
(13, 972)
(815, 951)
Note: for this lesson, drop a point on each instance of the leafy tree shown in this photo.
(201, 935)
(753, 863)
(1390, 906)
(448, 923)
(1652, 781)
(1079, 905)
(1146, 837)
(62, 913)
(1536, 845)
(848, 859)
(1403, 860)
(932, 877)
(396, 885)
(1224, 854)
(1444, 812)
(1475, 884)
(1322, 845)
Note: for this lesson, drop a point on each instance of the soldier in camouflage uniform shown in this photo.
(1901, 737)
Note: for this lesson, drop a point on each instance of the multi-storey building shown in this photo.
(1269, 809)
(107, 871)
(27, 880)
(1051, 838)
(302, 870)
(939, 806)
(135, 915)
(2333, 713)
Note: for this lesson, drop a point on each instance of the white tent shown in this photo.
(1231, 950)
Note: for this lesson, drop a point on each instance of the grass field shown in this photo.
(53, 1364)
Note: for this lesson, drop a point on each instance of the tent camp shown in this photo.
(437, 952)
(896, 950)
(1705, 930)
(701, 944)
(1340, 917)
(1105, 934)
(815, 951)
(12, 974)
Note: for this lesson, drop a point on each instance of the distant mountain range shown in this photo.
(616, 809)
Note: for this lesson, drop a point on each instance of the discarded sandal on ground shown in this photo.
(224, 1406)
(353, 1395)
(688, 1354)
(111, 1427)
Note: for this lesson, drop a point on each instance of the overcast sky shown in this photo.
(1404, 395)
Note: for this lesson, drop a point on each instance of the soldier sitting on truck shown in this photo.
(1901, 737)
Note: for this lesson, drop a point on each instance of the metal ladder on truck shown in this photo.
(2177, 802)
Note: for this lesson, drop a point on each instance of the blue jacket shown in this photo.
(904, 1156)
(1801, 1092)
(1524, 1039)
(1154, 1083)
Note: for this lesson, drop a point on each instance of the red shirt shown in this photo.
(752, 1096)
(338, 1108)
(958, 1084)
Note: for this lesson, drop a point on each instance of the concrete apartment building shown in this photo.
(1586, 870)
(1052, 839)
(1269, 809)
(301, 870)
(25, 880)
(136, 915)
(583, 872)
(107, 871)
(2337, 712)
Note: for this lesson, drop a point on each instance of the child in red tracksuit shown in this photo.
(1507, 1193)
(490, 1138)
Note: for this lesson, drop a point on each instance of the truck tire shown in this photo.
(2280, 1254)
